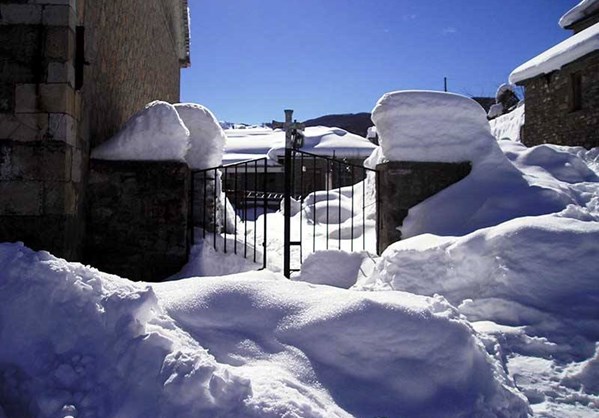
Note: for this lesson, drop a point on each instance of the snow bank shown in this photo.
(374, 353)
(525, 261)
(156, 133)
(580, 11)
(79, 342)
(432, 126)
(509, 126)
(207, 138)
(316, 268)
(530, 285)
(577, 46)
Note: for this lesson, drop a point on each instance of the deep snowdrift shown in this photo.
(84, 343)
(531, 285)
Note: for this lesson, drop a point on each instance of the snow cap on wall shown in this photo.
(155, 133)
(206, 137)
(431, 126)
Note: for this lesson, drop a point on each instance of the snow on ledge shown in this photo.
(155, 133)
(432, 126)
(577, 46)
(579, 12)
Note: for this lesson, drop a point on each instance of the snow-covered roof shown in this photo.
(579, 12)
(573, 48)
(246, 144)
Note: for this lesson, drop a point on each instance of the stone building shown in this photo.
(562, 85)
(71, 73)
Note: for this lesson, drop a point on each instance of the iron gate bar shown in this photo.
(352, 209)
(235, 212)
(334, 179)
(212, 174)
(265, 203)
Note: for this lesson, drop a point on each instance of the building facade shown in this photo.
(562, 85)
(71, 73)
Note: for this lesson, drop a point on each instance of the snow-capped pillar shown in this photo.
(429, 141)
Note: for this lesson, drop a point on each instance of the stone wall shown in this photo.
(551, 116)
(138, 218)
(406, 184)
(48, 123)
(144, 67)
(42, 152)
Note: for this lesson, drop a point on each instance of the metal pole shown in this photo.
(287, 197)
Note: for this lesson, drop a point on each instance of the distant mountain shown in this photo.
(356, 123)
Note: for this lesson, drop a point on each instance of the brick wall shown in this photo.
(550, 114)
(144, 67)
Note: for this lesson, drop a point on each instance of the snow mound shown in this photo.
(155, 133)
(95, 345)
(316, 268)
(207, 138)
(576, 46)
(432, 126)
(580, 11)
(82, 343)
(524, 260)
(529, 285)
(375, 353)
(509, 126)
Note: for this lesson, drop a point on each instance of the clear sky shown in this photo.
(253, 58)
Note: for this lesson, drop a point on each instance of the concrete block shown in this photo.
(59, 15)
(60, 43)
(77, 167)
(57, 98)
(60, 198)
(30, 127)
(62, 127)
(20, 14)
(21, 198)
(7, 100)
(61, 72)
(26, 98)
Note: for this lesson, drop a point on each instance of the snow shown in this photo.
(582, 10)
(432, 126)
(245, 144)
(530, 285)
(573, 48)
(164, 132)
(247, 345)
(206, 137)
(490, 307)
(155, 133)
(509, 126)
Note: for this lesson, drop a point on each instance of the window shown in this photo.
(576, 91)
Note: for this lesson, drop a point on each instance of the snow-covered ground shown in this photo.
(491, 308)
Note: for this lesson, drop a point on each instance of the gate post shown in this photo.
(293, 140)
(287, 197)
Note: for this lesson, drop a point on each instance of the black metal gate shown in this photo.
(315, 180)
(224, 200)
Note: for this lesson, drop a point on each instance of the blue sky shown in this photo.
(253, 58)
